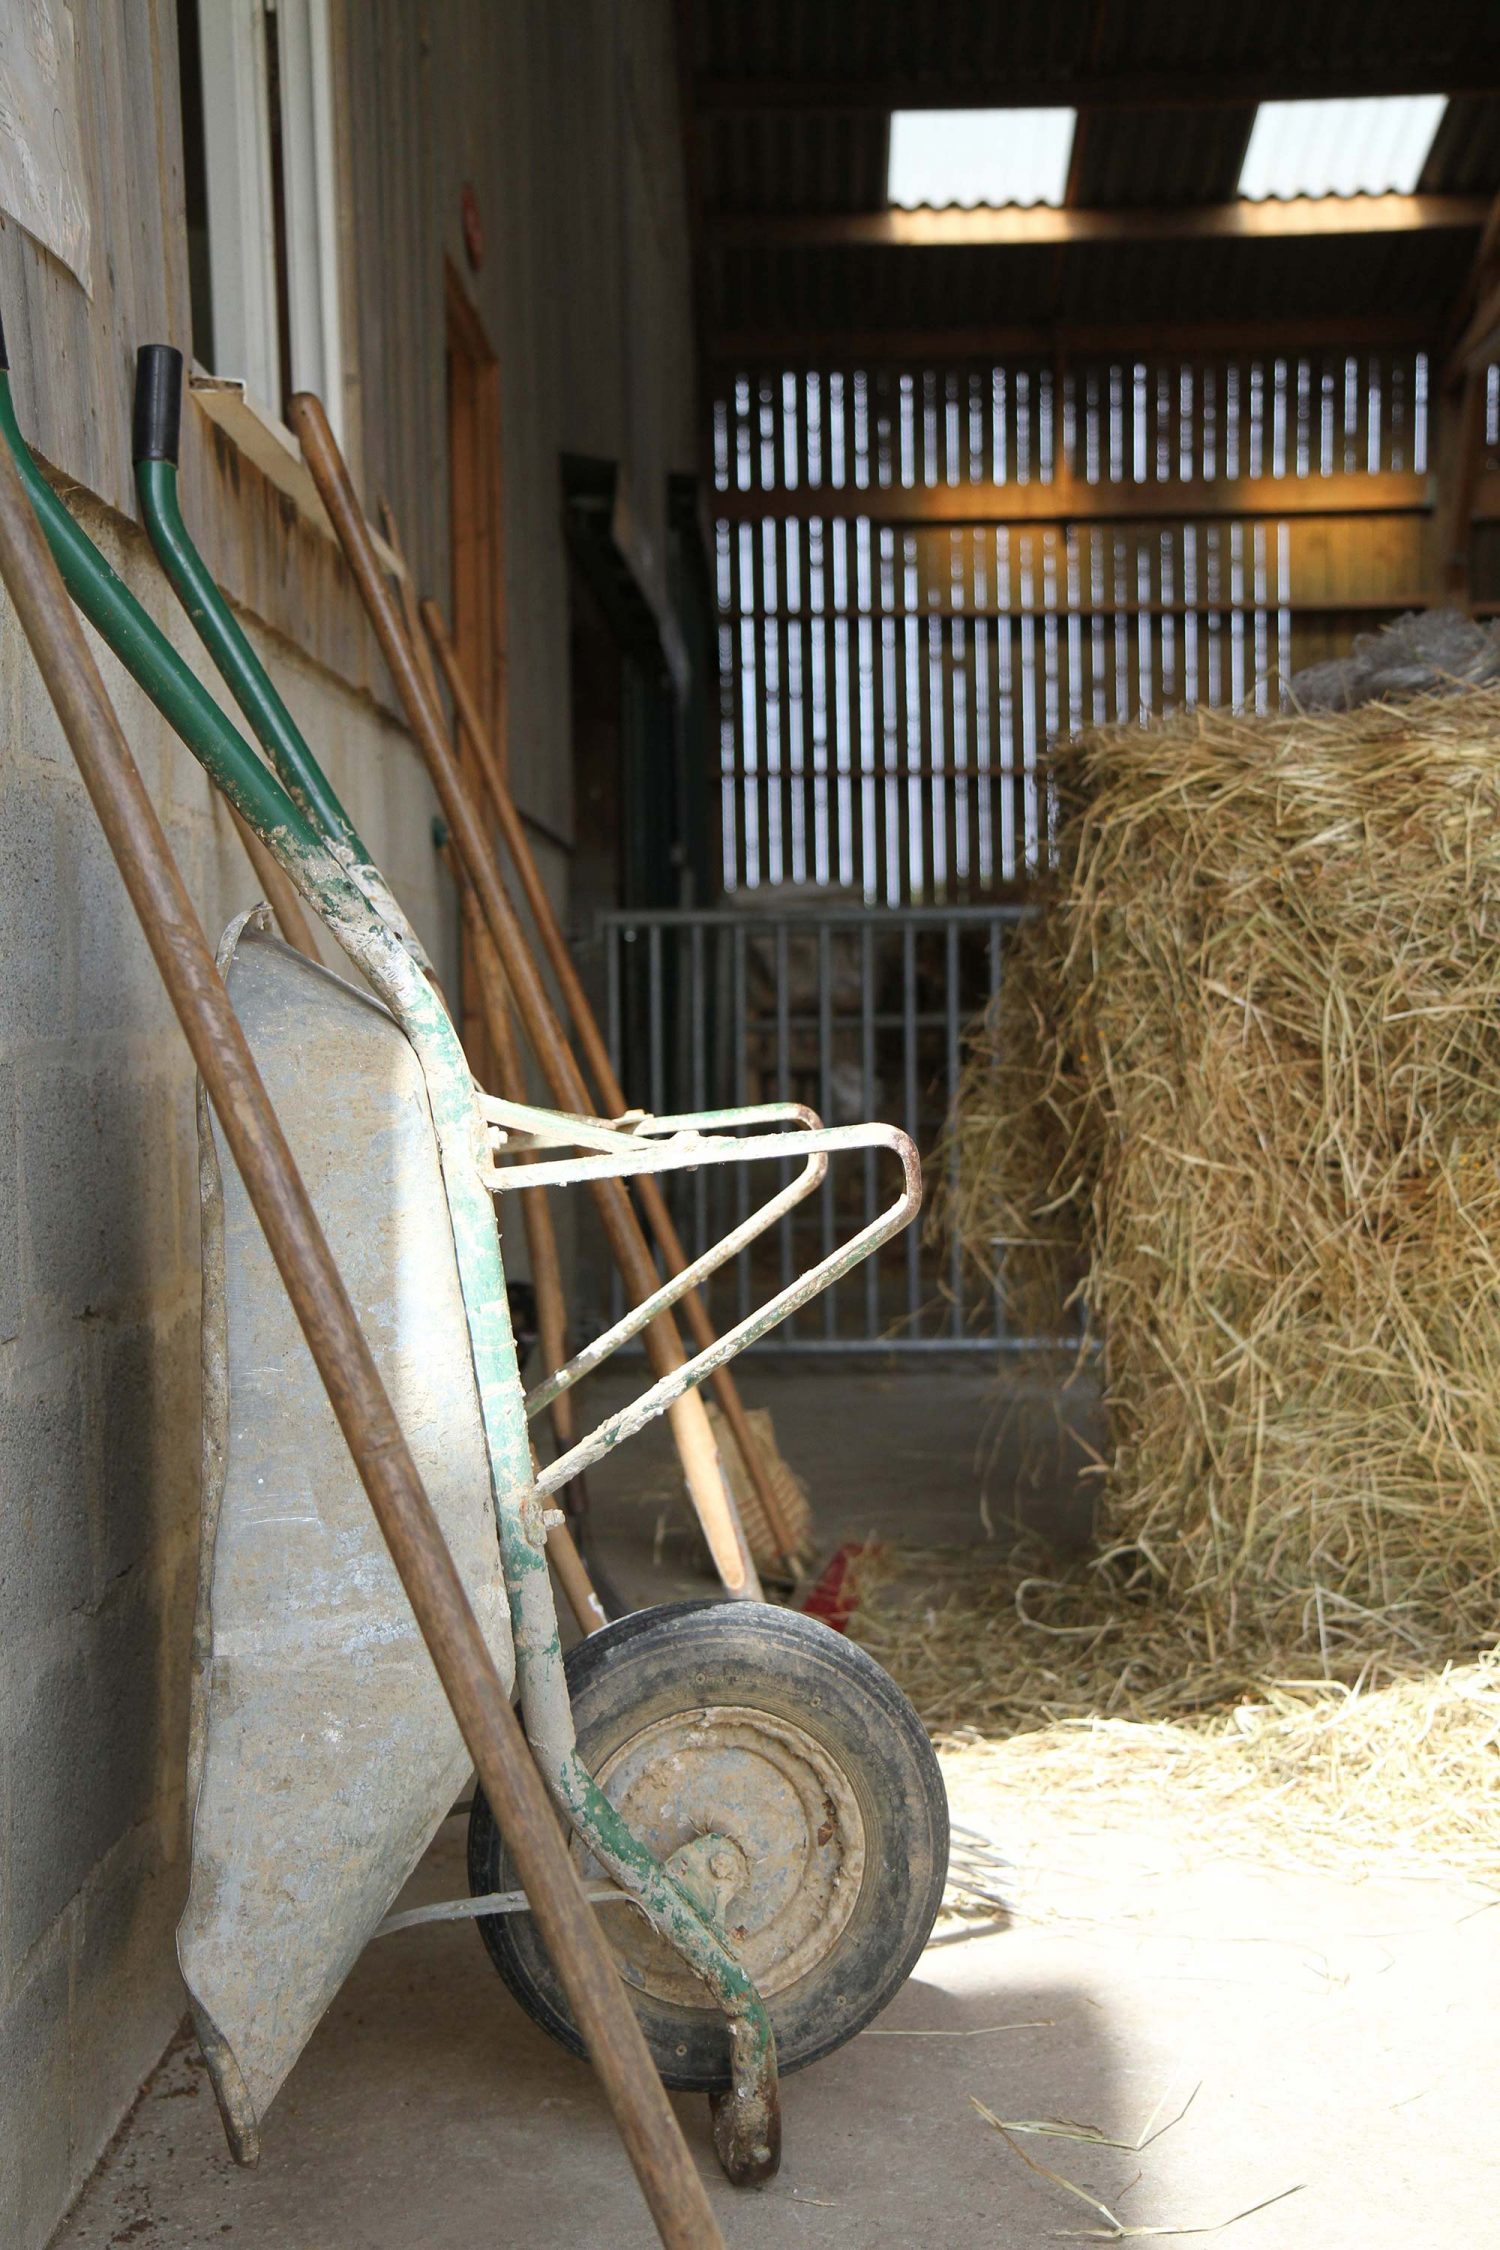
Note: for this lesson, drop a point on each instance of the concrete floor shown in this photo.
(1340, 2038)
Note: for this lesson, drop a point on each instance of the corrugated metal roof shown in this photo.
(832, 160)
(786, 161)
(1115, 285)
(1149, 159)
(879, 38)
(862, 39)
(1466, 151)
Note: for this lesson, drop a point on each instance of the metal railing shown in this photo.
(858, 1012)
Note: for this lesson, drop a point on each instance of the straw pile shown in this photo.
(1239, 1101)
(1245, 1089)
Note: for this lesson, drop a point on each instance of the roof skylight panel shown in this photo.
(974, 157)
(1365, 145)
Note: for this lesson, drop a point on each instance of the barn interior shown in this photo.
(805, 423)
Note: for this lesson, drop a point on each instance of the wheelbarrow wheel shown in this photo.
(789, 1783)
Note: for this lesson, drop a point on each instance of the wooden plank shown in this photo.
(1041, 225)
(1460, 457)
(267, 443)
(883, 691)
(799, 706)
(782, 536)
(843, 714)
(73, 356)
(898, 829)
(1068, 499)
(1346, 605)
(731, 738)
(1480, 341)
(945, 796)
(761, 707)
(1001, 340)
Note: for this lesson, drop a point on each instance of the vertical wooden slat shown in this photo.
(970, 687)
(882, 690)
(808, 786)
(793, 596)
(758, 712)
(866, 698)
(755, 795)
(1007, 729)
(1192, 636)
(982, 584)
(819, 809)
(844, 659)
(794, 701)
(1031, 726)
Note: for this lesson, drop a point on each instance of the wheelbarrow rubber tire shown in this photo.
(818, 1689)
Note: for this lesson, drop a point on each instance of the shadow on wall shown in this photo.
(98, 1506)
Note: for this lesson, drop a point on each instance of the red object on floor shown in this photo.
(834, 1593)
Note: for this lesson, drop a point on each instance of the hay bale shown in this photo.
(1241, 1098)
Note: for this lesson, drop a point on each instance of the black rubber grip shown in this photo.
(157, 421)
(4, 354)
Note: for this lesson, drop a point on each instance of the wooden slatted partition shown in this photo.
(926, 574)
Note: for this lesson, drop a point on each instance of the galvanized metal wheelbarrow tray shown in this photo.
(323, 1754)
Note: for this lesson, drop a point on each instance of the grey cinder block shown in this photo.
(46, 1567)
(35, 2133)
(35, 939)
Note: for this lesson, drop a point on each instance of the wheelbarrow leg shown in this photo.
(747, 2115)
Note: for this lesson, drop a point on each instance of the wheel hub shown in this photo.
(754, 1813)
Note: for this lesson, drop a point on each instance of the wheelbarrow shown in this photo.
(753, 1803)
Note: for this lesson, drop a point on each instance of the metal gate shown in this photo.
(859, 1013)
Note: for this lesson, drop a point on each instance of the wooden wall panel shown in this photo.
(562, 120)
(1015, 554)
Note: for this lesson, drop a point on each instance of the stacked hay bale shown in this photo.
(1241, 1097)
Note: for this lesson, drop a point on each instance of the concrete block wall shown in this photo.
(99, 1290)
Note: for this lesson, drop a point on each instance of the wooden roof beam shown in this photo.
(1301, 78)
(760, 348)
(1014, 226)
(1069, 499)
(1476, 316)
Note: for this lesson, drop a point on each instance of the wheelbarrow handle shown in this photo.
(147, 654)
(156, 422)
(156, 430)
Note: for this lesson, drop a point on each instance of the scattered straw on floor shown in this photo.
(1055, 1693)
